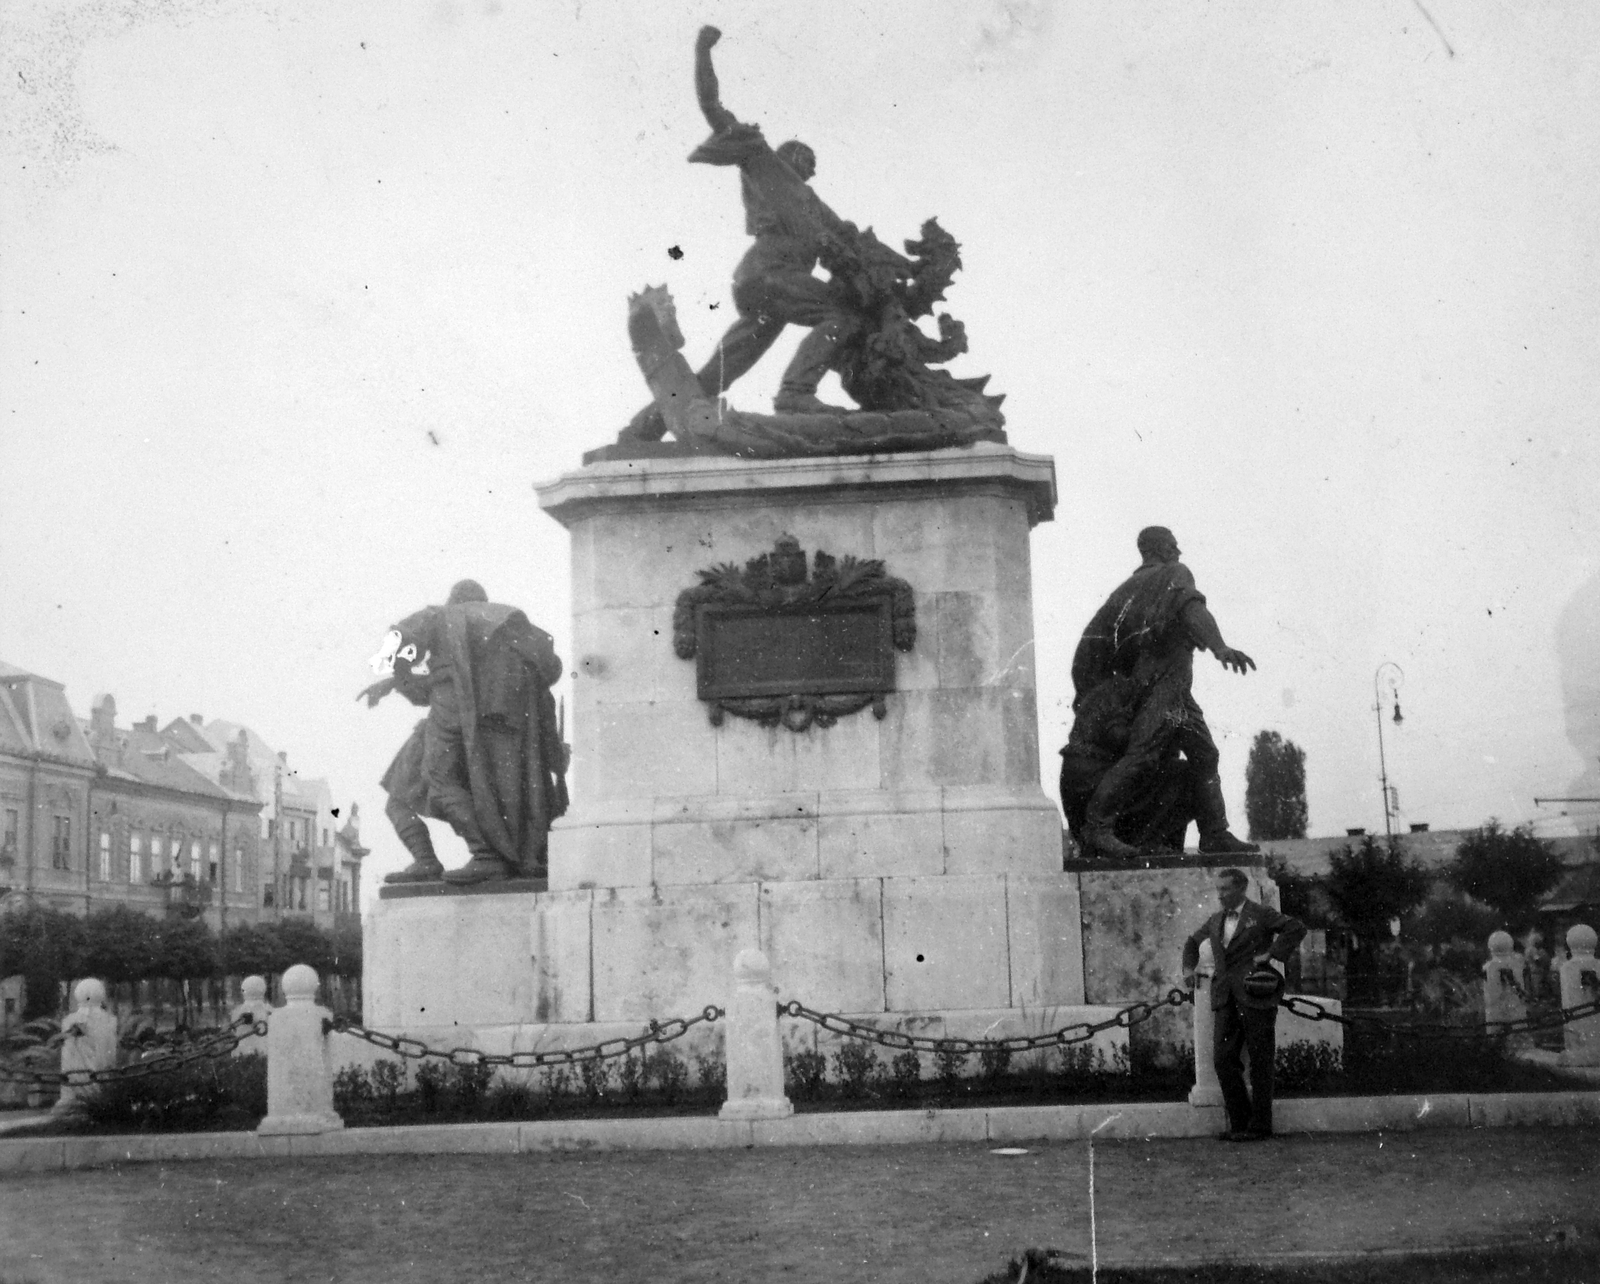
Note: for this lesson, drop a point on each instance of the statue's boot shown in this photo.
(425, 866)
(1101, 843)
(1212, 821)
(484, 867)
(647, 425)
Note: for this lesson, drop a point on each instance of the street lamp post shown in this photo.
(1388, 675)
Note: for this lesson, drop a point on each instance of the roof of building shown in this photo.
(139, 755)
(1433, 848)
(36, 718)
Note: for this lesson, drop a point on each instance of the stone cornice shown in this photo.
(635, 483)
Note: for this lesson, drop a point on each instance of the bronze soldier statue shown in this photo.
(1144, 761)
(488, 758)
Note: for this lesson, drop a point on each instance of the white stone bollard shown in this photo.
(90, 1042)
(1207, 1091)
(755, 1053)
(299, 1062)
(1583, 1037)
(254, 1006)
(1501, 1001)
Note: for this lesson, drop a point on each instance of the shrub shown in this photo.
(227, 1093)
(1306, 1064)
(804, 1073)
(630, 1075)
(993, 1062)
(906, 1072)
(352, 1090)
(712, 1072)
(594, 1076)
(855, 1063)
(471, 1085)
(949, 1062)
(557, 1080)
(509, 1099)
(670, 1072)
(388, 1078)
(432, 1083)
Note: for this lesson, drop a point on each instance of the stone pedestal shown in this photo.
(902, 866)
(1135, 921)
(1580, 985)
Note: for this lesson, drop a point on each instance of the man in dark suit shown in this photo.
(1244, 936)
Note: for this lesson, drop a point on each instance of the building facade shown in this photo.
(192, 818)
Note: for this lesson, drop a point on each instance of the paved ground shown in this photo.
(890, 1213)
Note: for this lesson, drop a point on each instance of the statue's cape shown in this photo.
(1144, 614)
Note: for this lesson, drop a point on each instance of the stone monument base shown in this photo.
(966, 956)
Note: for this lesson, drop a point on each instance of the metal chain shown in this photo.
(657, 1032)
(1310, 1010)
(1079, 1032)
(218, 1044)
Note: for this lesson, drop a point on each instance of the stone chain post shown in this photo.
(1583, 1037)
(253, 990)
(1502, 1000)
(755, 1053)
(1207, 1091)
(299, 1062)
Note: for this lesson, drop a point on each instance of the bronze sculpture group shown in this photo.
(862, 321)
(1140, 762)
(488, 758)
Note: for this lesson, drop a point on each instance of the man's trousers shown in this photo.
(1237, 1030)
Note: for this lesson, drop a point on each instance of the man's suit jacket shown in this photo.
(1261, 930)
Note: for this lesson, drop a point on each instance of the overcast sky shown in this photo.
(299, 301)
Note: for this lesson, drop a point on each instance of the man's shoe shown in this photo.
(1225, 844)
(1232, 1134)
(1253, 1134)
(480, 869)
(418, 871)
(804, 403)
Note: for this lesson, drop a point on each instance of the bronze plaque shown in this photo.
(819, 648)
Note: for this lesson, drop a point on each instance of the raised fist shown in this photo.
(709, 36)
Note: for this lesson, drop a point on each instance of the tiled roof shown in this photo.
(143, 756)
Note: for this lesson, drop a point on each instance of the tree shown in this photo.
(1275, 788)
(1375, 883)
(185, 949)
(1370, 886)
(301, 941)
(1507, 869)
(46, 947)
(119, 944)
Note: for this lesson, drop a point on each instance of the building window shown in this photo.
(211, 855)
(238, 868)
(194, 859)
(268, 899)
(324, 837)
(9, 838)
(105, 855)
(135, 858)
(61, 844)
(322, 895)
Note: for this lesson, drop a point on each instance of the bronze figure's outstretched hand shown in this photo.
(1238, 661)
(376, 692)
(708, 37)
